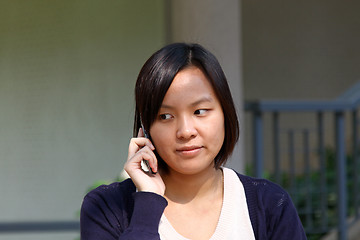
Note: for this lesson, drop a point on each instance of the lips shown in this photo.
(189, 151)
(188, 148)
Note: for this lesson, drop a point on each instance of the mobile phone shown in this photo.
(145, 164)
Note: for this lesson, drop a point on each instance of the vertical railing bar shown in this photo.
(308, 207)
(341, 174)
(258, 143)
(356, 162)
(292, 161)
(323, 182)
(276, 141)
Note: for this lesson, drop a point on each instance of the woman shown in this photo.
(185, 110)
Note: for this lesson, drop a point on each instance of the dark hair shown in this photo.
(157, 75)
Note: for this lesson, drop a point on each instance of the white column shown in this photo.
(216, 25)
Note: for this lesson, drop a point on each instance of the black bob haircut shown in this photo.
(156, 76)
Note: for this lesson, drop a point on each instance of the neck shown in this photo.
(182, 188)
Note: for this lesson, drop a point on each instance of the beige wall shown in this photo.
(300, 49)
(67, 72)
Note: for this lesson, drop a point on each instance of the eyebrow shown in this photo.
(197, 102)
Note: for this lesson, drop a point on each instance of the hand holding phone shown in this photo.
(141, 150)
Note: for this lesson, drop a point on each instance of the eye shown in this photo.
(165, 116)
(200, 111)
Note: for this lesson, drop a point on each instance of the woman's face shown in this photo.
(189, 130)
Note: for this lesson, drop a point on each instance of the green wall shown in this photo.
(67, 72)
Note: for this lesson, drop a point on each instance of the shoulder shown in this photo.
(264, 191)
(271, 210)
(110, 198)
(116, 190)
(110, 211)
(107, 206)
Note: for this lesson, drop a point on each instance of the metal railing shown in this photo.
(301, 158)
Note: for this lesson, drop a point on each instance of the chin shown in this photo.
(192, 169)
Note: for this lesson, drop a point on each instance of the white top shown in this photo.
(234, 222)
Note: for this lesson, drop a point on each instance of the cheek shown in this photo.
(219, 132)
(218, 125)
(160, 143)
(160, 137)
(163, 146)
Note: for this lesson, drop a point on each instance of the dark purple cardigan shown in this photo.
(118, 212)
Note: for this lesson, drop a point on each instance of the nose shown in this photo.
(186, 128)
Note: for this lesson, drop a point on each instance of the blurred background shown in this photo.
(68, 69)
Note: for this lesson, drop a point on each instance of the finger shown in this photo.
(135, 161)
(141, 133)
(144, 154)
(137, 143)
(150, 157)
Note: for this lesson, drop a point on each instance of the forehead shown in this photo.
(189, 86)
